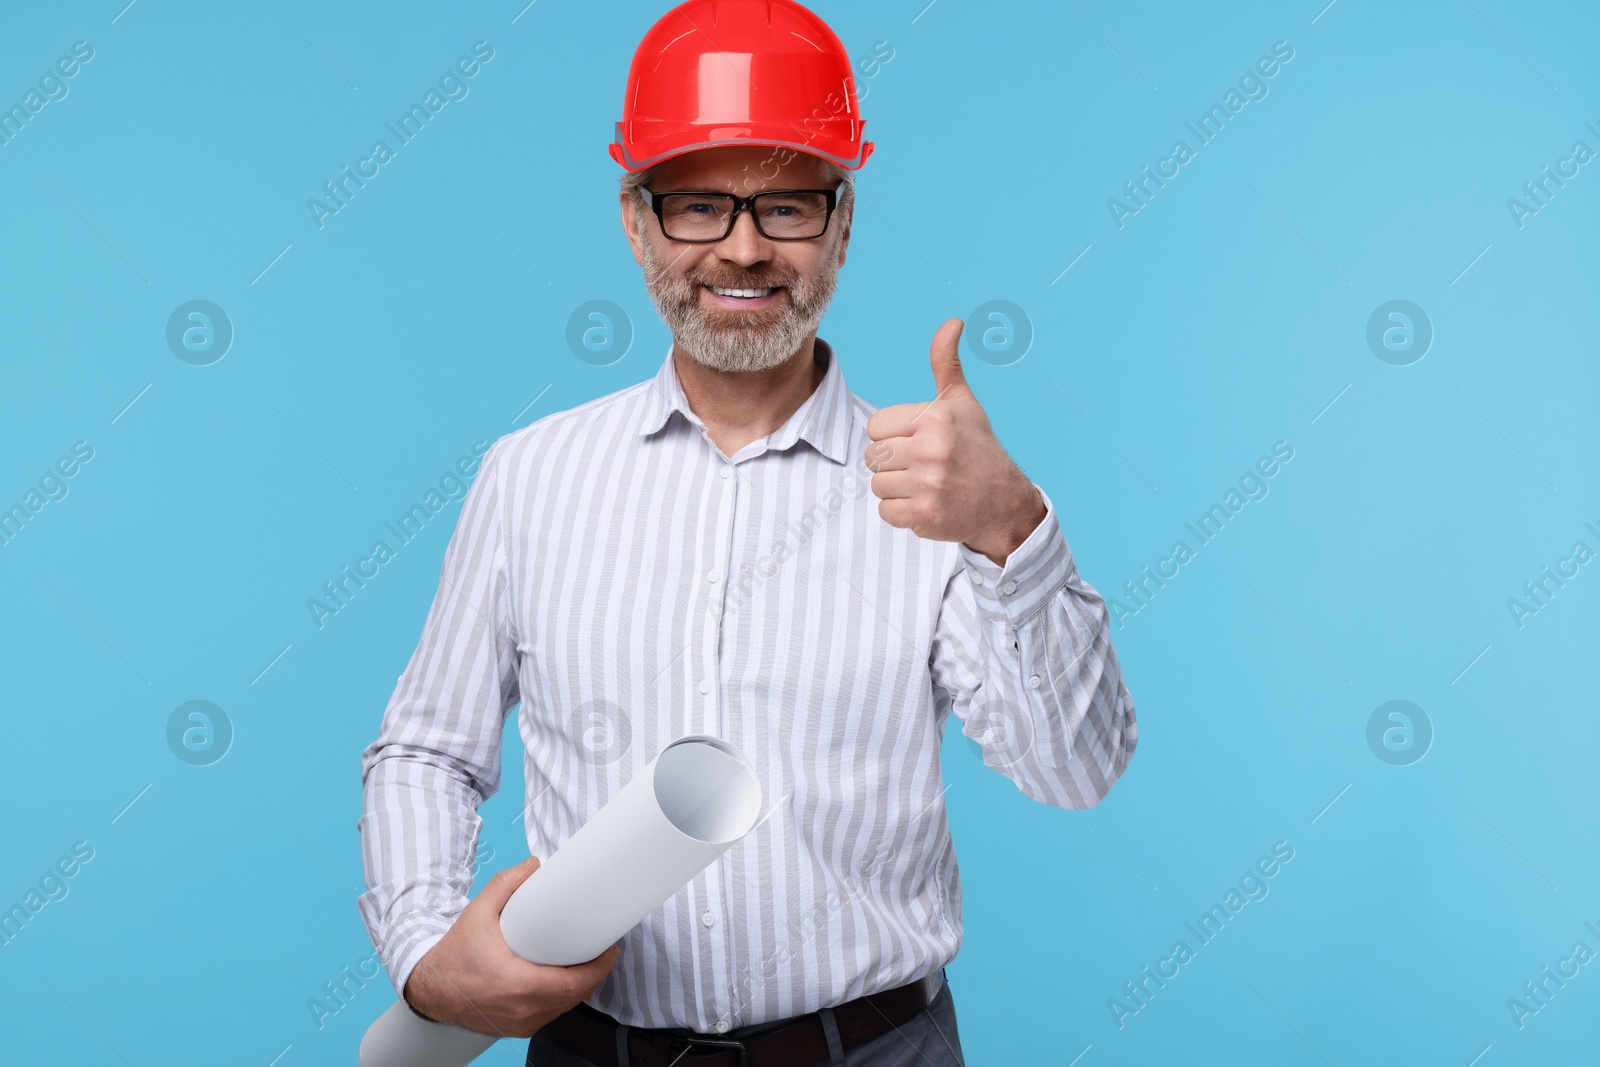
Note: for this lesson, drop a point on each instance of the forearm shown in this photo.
(1082, 718)
(1046, 669)
(419, 827)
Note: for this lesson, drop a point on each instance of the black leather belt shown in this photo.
(800, 1041)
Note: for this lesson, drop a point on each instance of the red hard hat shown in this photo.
(740, 72)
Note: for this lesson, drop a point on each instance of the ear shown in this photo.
(844, 232)
(630, 224)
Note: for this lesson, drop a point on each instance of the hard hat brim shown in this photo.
(619, 152)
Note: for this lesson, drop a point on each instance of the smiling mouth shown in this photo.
(743, 297)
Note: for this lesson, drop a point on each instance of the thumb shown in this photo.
(944, 356)
(497, 890)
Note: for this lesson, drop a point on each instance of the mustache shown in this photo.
(767, 281)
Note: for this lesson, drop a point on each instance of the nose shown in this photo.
(745, 245)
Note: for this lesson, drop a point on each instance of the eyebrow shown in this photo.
(791, 189)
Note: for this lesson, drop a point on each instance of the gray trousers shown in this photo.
(928, 1040)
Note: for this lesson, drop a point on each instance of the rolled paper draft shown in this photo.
(689, 805)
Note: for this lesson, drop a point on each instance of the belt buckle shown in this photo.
(688, 1043)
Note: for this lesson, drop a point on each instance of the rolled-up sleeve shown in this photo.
(1022, 654)
(437, 754)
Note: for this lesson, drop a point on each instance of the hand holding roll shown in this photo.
(688, 806)
(471, 979)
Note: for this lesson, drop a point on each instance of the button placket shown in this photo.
(716, 591)
(709, 690)
(715, 954)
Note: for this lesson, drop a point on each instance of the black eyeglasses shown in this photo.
(783, 215)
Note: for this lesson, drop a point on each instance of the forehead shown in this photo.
(736, 166)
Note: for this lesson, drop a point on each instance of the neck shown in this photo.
(739, 407)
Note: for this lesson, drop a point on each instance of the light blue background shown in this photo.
(1228, 314)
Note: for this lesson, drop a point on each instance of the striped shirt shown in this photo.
(628, 583)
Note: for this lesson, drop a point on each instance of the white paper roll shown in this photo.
(689, 805)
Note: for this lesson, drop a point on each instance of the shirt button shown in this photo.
(977, 579)
(708, 919)
(705, 686)
(726, 472)
(1009, 588)
(722, 1026)
(1033, 681)
(712, 577)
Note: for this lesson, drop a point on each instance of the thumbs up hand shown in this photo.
(939, 470)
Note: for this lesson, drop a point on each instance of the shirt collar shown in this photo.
(823, 420)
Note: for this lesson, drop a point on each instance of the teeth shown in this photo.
(739, 292)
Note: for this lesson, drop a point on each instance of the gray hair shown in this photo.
(631, 181)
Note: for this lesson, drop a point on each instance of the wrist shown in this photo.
(1021, 520)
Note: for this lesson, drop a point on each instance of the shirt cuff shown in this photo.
(1032, 573)
(405, 945)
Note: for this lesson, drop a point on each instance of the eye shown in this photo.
(698, 207)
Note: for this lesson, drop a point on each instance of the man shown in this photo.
(699, 553)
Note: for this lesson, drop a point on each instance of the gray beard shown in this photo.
(731, 340)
